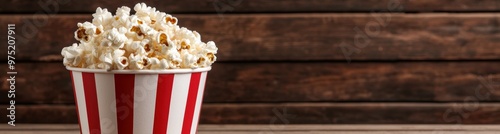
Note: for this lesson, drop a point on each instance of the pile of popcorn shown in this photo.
(148, 39)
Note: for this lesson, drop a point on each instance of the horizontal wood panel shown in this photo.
(282, 129)
(300, 81)
(291, 37)
(289, 127)
(303, 113)
(252, 6)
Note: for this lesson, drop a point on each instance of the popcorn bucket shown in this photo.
(138, 101)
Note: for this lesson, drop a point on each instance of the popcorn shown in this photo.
(188, 60)
(211, 48)
(106, 61)
(148, 39)
(71, 54)
(170, 20)
(101, 17)
(91, 59)
(121, 62)
(154, 63)
(122, 17)
(136, 62)
(86, 32)
(117, 38)
(163, 64)
(173, 57)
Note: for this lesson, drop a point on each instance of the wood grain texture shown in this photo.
(292, 127)
(303, 113)
(49, 83)
(282, 61)
(282, 129)
(292, 37)
(42, 114)
(253, 6)
(351, 113)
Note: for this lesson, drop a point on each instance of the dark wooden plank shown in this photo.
(342, 127)
(283, 129)
(42, 114)
(294, 37)
(350, 113)
(40, 83)
(251, 6)
(298, 82)
(303, 113)
(289, 127)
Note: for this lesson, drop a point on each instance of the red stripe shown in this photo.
(91, 102)
(124, 95)
(76, 102)
(163, 96)
(201, 98)
(191, 102)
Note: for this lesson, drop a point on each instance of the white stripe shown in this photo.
(144, 103)
(105, 88)
(178, 103)
(199, 99)
(80, 99)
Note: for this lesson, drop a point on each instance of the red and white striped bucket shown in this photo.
(138, 102)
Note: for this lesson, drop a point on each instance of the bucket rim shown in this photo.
(162, 71)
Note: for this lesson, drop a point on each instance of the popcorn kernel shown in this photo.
(98, 31)
(80, 33)
(147, 47)
(137, 30)
(200, 60)
(124, 61)
(144, 62)
(176, 63)
(163, 39)
(171, 20)
(210, 56)
(184, 45)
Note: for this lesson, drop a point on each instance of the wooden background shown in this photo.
(281, 61)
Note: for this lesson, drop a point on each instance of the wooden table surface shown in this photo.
(281, 129)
